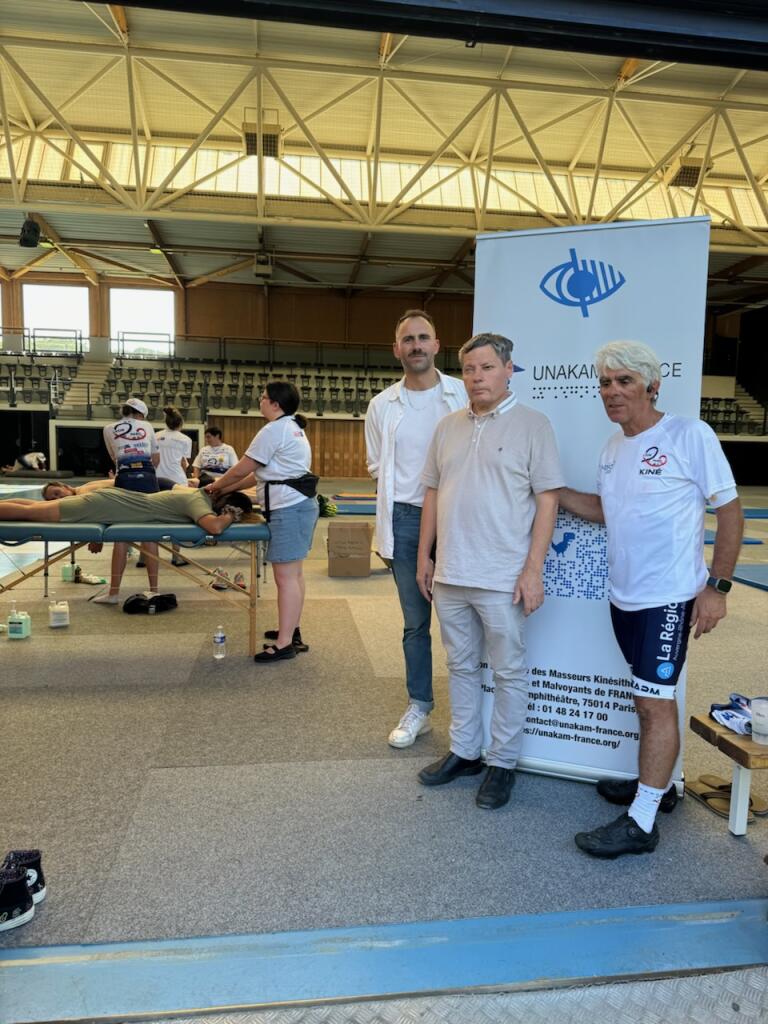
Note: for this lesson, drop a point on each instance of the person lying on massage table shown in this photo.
(58, 489)
(114, 505)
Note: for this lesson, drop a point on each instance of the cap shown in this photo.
(138, 405)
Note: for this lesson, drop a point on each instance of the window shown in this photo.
(141, 321)
(56, 316)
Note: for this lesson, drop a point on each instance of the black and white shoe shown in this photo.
(622, 792)
(31, 861)
(16, 904)
(623, 835)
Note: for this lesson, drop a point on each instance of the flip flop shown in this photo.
(757, 805)
(712, 799)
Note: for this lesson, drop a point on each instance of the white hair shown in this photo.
(629, 355)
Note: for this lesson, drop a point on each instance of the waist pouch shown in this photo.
(140, 604)
(306, 485)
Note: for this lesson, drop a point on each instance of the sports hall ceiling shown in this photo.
(375, 158)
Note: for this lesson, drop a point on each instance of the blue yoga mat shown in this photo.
(355, 508)
(752, 575)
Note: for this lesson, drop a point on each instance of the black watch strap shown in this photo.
(722, 586)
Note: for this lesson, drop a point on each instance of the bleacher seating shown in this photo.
(339, 390)
(726, 416)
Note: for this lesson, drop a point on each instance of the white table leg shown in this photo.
(737, 819)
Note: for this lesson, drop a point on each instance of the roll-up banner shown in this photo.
(560, 294)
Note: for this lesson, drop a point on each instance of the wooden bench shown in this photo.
(746, 755)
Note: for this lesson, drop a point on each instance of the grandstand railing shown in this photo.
(143, 344)
(56, 340)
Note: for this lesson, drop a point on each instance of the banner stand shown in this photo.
(560, 294)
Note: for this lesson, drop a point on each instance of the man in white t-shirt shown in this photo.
(655, 477)
(399, 425)
(215, 456)
(492, 475)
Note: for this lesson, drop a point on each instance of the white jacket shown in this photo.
(381, 422)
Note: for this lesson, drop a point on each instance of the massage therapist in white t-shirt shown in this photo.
(399, 425)
(655, 478)
(280, 452)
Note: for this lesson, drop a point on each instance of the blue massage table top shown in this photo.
(184, 533)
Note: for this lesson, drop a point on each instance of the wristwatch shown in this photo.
(722, 586)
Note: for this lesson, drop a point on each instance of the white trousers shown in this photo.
(475, 623)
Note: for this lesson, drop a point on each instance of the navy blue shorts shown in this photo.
(137, 476)
(654, 642)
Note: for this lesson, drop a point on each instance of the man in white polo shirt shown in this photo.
(398, 429)
(492, 475)
(655, 477)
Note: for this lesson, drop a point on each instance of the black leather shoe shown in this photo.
(496, 788)
(622, 792)
(298, 644)
(623, 835)
(447, 769)
(272, 653)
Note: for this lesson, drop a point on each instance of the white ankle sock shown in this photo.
(106, 598)
(645, 805)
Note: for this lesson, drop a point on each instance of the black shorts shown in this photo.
(654, 642)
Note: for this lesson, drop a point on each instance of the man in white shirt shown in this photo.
(492, 474)
(399, 425)
(655, 478)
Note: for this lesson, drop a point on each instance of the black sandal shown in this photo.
(273, 653)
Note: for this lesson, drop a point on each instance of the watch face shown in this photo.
(720, 585)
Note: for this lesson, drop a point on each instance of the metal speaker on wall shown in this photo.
(29, 236)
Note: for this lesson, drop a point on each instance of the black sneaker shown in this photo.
(623, 835)
(16, 904)
(622, 792)
(30, 860)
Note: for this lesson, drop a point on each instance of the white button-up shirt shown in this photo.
(382, 419)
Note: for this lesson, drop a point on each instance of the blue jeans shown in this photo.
(417, 643)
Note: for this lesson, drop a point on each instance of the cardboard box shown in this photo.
(349, 549)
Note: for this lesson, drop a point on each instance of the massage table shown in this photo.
(186, 535)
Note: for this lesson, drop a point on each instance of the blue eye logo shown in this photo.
(665, 670)
(581, 283)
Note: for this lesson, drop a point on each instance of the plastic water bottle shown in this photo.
(219, 643)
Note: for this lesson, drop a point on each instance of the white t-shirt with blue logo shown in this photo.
(654, 488)
(130, 440)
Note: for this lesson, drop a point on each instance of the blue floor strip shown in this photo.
(753, 575)
(709, 538)
(749, 513)
(76, 983)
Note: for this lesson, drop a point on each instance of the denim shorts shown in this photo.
(291, 530)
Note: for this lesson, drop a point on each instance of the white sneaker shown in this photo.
(414, 722)
(105, 598)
